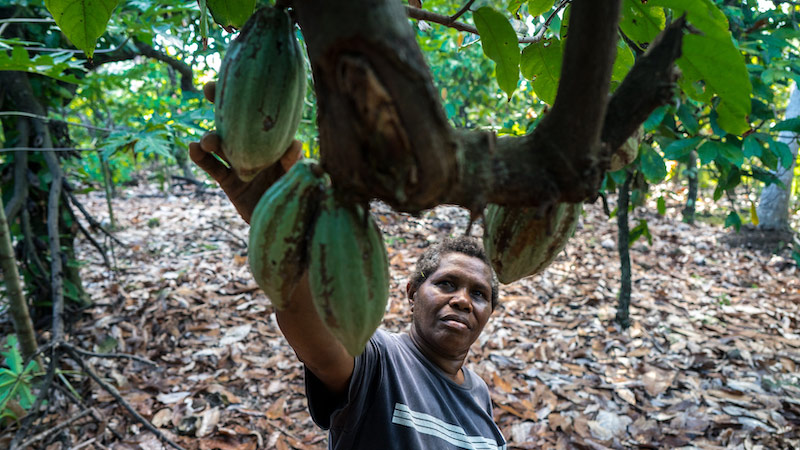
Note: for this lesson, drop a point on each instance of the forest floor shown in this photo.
(712, 359)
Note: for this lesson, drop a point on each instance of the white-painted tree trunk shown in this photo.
(773, 206)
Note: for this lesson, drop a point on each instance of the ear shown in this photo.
(410, 292)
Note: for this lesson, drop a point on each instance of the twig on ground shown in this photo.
(242, 241)
(114, 393)
(88, 235)
(109, 355)
(92, 221)
(49, 432)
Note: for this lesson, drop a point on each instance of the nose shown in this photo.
(460, 300)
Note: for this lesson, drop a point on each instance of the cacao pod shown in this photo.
(628, 151)
(348, 272)
(521, 241)
(260, 92)
(279, 228)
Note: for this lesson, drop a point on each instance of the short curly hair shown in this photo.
(430, 260)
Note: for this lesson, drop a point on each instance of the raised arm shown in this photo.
(314, 345)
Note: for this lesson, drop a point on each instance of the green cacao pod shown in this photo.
(260, 92)
(279, 228)
(521, 242)
(348, 272)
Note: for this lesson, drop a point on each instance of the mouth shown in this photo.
(456, 322)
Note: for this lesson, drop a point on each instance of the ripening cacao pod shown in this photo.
(260, 92)
(279, 228)
(521, 241)
(348, 272)
(628, 151)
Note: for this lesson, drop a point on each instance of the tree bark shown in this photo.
(623, 248)
(773, 206)
(384, 134)
(690, 208)
(20, 316)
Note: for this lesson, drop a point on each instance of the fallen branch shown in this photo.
(242, 242)
(89, 236)
(109, 355)
(92, 221)
(49, 432)
(114, 393)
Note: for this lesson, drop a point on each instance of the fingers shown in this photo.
(293, 154)
(208, 162)
(210, 90)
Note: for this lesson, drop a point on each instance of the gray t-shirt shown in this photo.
(397, 399)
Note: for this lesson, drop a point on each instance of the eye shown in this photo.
(446, 285)
(479, 294)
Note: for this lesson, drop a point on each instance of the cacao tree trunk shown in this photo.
(384, 134)
(691, 197)
(623, 248)
(773, 206)
(20, 316)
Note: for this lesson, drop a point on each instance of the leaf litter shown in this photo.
(712, 359)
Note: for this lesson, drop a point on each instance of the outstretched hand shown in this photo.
(243, 194)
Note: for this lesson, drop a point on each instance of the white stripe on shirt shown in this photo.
(432, 426)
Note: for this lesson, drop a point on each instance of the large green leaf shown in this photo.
(641, 22)
(539, 7)
(231, 13)
(82, 21)
(711, 56)
(500, 44)
(541, 62)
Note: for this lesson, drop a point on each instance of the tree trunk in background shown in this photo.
(623, 247)
(773, 206)
(690, 210)
(20, 316)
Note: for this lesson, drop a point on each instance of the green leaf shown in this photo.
(500, 44)
(231, 13)
(82, 21)
(792, 125)
(731, 153)
(707, 152)
(661, 204)
(541, 62)
(712, 57)
(751, 147)
(653, 167)
(641, 229)
(783, 152)
(623, 62)
(733, 220)
(20, 61)
(655, 118)
(680, 148)
(641, 22)
(539, 7)
(688, 120)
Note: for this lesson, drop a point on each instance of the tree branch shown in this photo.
(441, 19)
(648, 85)
(187, 75)
(383, 132)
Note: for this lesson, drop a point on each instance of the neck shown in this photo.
(450, 364)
